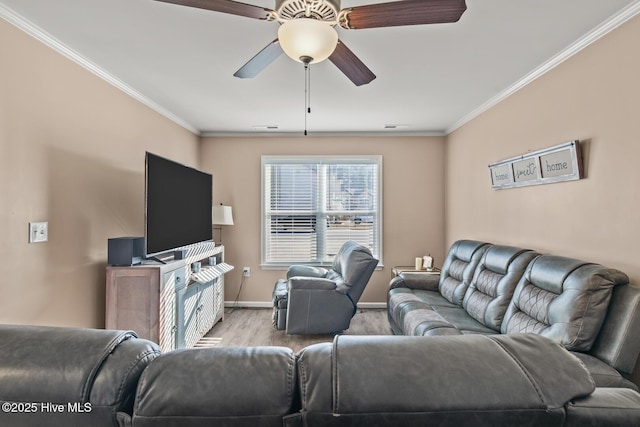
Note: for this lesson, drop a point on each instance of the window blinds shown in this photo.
(312, 205)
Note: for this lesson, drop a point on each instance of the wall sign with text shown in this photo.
(556, 164)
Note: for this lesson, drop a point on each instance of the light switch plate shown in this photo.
(38, 232)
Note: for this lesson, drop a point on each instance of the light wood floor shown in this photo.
(253, 327)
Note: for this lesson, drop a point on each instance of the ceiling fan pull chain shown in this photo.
(307, 108)
(308, 89)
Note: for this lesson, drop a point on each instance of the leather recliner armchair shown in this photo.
(321, 301)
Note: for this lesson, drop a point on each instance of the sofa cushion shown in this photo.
(431, 298)
(494, 282)
(402, 300)
(415, 314)
(458, 269)
(423, 321)
(604, 375)
(563, 299)
(605, 407)
(460, 319)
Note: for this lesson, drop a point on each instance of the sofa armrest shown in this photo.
(116, 382)
(306, 271)
(94, 371)
(617, 342)
(312, 283)
(427, 282)
(69, 359)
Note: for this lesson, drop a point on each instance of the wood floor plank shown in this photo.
(252, 327)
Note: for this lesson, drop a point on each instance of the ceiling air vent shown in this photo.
(265, 127)
(396, 126)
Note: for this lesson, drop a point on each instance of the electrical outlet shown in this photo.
(246, 271)
(38, 232)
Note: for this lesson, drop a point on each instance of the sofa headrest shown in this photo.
(253, 386)
(350, 252)
(557, 274)
(498, 258)
(465, 249)
(550, 271)
(352, 269)
(53, 364)
(395, 374)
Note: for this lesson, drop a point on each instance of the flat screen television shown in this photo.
(177, 205)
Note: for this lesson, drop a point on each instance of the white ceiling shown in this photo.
(431, 78)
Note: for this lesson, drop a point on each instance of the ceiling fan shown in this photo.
(307, 33)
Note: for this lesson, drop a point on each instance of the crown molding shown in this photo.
(312, 134)
(39, 34)
(597, 33)
(600, 31)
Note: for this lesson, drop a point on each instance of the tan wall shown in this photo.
(593, 97)
(71, 153)
(413, 196)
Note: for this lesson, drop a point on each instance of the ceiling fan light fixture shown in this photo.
(305, 38)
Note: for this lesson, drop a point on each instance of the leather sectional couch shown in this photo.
(507, 337)
(77, 377)
(589, 309)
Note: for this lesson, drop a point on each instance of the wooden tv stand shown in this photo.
(167, 303)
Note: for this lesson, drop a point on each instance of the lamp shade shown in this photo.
(222, 215)
(304, 38)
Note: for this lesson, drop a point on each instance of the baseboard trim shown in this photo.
(248, 304)
(269, 304)
(372, 305)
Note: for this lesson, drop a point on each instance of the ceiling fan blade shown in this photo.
(351, 65)
(407, 12)
(226, 6)
(259, 62)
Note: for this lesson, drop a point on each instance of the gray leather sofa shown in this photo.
(482, 380)
(590, 309)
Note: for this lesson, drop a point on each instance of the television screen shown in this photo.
(177, 205)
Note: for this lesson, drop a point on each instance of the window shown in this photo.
(312, 205)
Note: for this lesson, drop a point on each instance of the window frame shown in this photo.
(319, 160)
